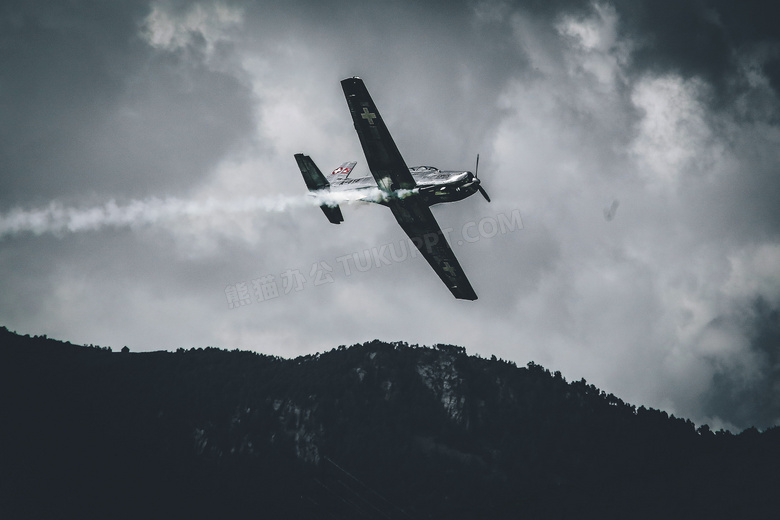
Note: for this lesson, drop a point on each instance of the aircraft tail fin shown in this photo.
(341, 173)
(316, 181)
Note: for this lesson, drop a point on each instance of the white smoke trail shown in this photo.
(58, 220)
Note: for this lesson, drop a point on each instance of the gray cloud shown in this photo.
(700, 39)
(671, 109)
(747, 389)
(89, 107)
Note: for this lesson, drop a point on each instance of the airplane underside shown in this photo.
(430, 193)
(408, 192)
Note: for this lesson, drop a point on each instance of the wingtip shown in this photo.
(464, 294)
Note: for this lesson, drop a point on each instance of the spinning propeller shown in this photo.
(479, 183)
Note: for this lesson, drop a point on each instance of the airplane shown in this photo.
(408, 192)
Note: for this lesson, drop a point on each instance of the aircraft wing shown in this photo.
(384, 160)
(418, 222)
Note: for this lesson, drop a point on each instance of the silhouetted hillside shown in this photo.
(377, 430)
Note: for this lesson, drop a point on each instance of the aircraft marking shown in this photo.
(370, 116)
(447, 267)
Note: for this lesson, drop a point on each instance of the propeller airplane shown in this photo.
(408, 192)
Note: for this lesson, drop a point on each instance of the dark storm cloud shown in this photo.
(89, 107)
(731, 46)
(699, 38)
(669, 107)
(750, 395)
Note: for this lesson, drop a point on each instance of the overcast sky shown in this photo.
(144, 147)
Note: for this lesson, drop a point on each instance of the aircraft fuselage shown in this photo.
(433, 186)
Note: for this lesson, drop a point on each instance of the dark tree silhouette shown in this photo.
(378, 430)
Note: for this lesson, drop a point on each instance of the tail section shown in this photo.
(341, 173)
(333, 213)
(316, 181)
(312, 175)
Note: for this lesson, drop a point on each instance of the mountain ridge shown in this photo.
(376, 430)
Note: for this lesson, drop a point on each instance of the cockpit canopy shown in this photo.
(424, 169)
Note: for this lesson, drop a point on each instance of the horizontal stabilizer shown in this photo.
(333, 213)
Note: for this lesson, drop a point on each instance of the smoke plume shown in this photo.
(58, 220)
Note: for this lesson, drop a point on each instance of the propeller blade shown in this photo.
(484, 193)
(479, 186)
